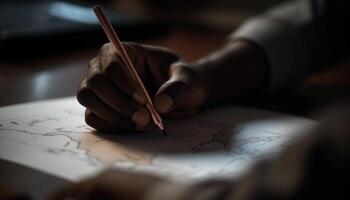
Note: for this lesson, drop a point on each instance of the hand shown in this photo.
(111, 99)
(178, 88)
(109, 185)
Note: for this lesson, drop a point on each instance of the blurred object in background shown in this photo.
(222, 14)
(33, 28)
(37, 27)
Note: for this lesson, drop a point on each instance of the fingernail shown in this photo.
(163, 103)
(140, 118)
(139, 98)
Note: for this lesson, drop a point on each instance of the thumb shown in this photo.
(179, 90)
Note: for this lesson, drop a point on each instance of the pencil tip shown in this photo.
(164, 132)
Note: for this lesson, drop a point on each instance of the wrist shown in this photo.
(237, 70)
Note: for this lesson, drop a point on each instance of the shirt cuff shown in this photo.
(282, 46)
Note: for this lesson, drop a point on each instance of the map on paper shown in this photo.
(52, 136)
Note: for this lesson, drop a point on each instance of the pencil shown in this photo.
(119, 48)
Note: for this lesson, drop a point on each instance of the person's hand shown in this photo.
(109, 185)
(110, 98)
(178, 88)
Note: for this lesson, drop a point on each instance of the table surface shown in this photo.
(59, 75)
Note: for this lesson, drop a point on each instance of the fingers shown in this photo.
(114, 68)
(182, 94)
(171, 94)
(90, 100)
(108, 92)
(108, 102)
(98, 123)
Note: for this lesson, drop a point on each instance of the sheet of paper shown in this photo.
(52, 136)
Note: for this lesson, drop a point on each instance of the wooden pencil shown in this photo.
(119, 48)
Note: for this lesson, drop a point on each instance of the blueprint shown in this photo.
(52, 136)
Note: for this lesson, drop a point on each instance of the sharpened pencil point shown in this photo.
(164, 132)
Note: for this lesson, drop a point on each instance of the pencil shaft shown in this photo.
(119, 48)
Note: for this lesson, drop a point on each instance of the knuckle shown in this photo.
(93, 62)
(130, 45)
(105, 47)
(185, 72)
(111, 65)
(134, 50)
(82, 84)
(183, 67)
(94, 80)
(110, 61)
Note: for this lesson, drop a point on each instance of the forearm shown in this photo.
(299, 37)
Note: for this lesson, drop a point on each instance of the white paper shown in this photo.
(52, 136)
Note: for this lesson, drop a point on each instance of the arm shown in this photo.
(299, 37)
(266, 53)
